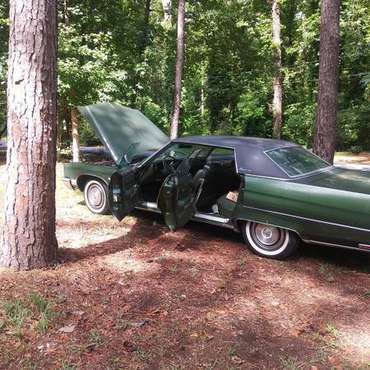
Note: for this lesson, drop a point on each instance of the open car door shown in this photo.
(124, 192)
(177, 196)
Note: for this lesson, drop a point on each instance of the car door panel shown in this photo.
(124, 192)
(176, 198)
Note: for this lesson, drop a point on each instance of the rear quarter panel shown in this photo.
(315, 213)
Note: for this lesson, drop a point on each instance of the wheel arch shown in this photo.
(82, 180)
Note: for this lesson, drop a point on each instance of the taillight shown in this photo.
(365, 247)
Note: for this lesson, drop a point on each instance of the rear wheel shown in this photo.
(269, 241)
(96, 197)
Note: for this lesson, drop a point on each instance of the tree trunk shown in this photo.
(202, 99)
(277, 103)
(75, 136)
(65, 13)
(326, 114)
(179, 69)
(29, 239)
(167, 11)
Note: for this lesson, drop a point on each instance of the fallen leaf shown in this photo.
(67, 329)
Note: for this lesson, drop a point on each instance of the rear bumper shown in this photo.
(70, 183)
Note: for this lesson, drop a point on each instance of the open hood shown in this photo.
(123, 131)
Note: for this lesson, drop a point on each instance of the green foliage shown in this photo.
(109, 50)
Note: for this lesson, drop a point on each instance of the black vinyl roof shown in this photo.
(250, 153)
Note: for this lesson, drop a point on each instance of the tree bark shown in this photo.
(75, 136)
(179, 69)
(29, 239)
(167, 11)
(326, 114)
(277, 103)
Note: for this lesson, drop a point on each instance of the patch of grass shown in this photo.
(39, 302)
(232, 352)
(122, 324)
(332, 339)
(76, 349)
(29, 365)
(45, 311)
(173, 269)
(325, 271)
(68, 366)
(142, 355)
(95, 339)
(291, 363)
(16, 313)
(332, 330)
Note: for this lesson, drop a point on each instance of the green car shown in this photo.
(274, 192)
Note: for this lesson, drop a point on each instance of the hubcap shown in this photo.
(267, 235)
(95, 196)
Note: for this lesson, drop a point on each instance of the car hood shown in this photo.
(356, 181)
(124, 132)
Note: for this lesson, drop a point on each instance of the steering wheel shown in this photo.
(169, 163)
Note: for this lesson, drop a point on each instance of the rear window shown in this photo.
(296, 161)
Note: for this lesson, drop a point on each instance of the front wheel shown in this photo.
(269, 241)
(96, 197)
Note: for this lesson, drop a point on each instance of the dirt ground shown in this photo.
(133, 295)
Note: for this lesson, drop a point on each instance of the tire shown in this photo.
(96, 197)
(269, 241)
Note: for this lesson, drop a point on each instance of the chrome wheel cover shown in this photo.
(95, 196)
(267, 237)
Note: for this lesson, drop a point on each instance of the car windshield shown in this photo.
(296, 161)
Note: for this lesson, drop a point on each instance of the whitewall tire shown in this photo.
(269, 241)
(96, 197)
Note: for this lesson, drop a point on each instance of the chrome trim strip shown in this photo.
(308, 219)
(209, 217)
(148, 209)
(333, 245)
(199, 217)
(213, 220)
(150, 205)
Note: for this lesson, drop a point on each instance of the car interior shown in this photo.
(214, 176)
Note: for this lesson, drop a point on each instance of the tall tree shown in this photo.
(277, 103)
(326, 114)
(179, 69)
(29, 239)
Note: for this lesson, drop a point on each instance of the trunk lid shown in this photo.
(125, 132)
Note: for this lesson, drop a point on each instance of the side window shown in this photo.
(177, 151)
(222, 156)
(180, 151)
